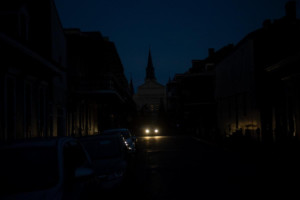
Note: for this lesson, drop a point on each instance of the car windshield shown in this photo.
(125, 134)
(102, 148)
(28, 169)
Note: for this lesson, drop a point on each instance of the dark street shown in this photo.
(184, 167)
(179, 167)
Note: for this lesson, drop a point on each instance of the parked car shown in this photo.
(54, 168)
(109, 157)
(129, 139)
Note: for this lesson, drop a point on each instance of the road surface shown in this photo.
(185, 167)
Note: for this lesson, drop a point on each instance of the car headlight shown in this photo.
(126, 143)
(156, 130)
(147, 131)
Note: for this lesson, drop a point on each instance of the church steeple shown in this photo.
(150, 75)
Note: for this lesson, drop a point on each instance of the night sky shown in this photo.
(178, 31)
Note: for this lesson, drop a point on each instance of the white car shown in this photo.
(129, 139)
(109, 158)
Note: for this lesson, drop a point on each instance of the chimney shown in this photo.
(290, 10)
(211, 51)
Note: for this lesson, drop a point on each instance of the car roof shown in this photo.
(98, 136)
(115, 130)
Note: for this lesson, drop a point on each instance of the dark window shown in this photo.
(9, 24)
(245, 104)
(2, 117)
(23, 27)
(50, 119)
(60, 122)
(220, 108)
(11, 107)
(28, 110)
(41, 112)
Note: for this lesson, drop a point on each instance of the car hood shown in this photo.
(108, 166)
(130, 142)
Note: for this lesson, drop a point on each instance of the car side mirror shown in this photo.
(84, 173)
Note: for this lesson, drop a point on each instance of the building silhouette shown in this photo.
(257, 84)
(191, 104)
(33, 70)
(99, 93)
(250, 90)
(55, 81)
(150, 96)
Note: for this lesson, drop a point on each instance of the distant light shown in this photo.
(156, 130)
(157, 138)
(147, 131)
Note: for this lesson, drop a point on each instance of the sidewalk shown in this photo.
(277, 166)
(277, 157)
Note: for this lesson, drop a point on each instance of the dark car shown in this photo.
(109, 158)
(56, 168)
(129, 139)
